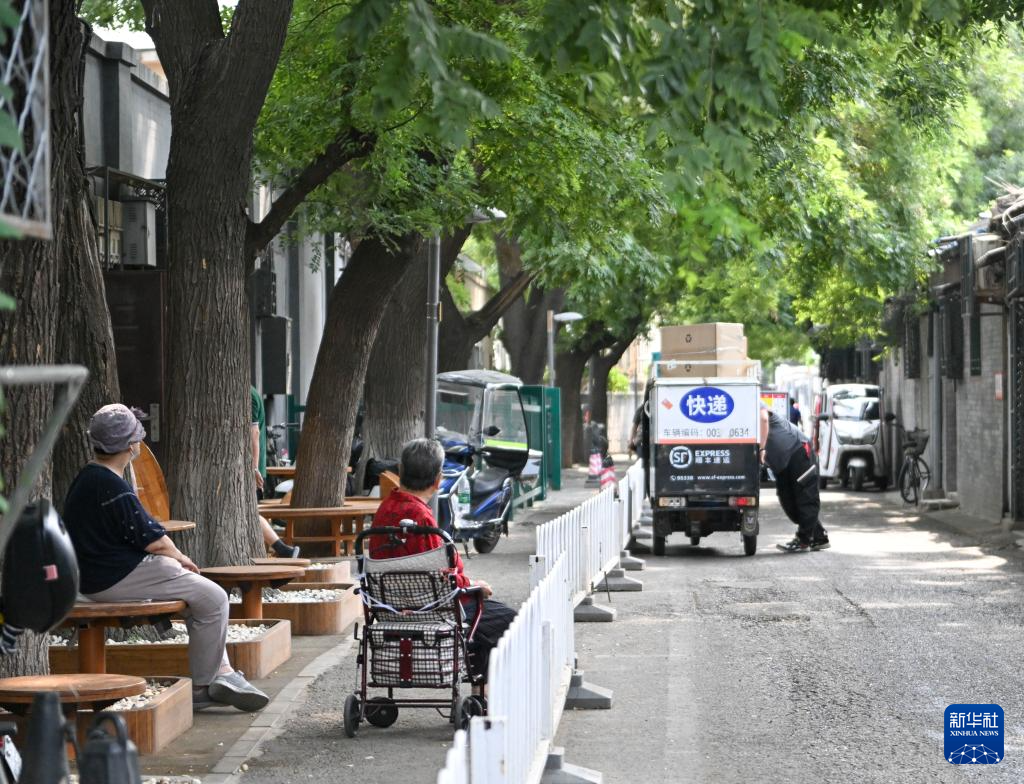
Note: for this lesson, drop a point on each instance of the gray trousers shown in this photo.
(160, 578)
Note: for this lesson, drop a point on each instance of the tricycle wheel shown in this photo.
(350, 715)
(695, 540)
(822, 483)
(857, 478)
(468, 708)
(658, 545)
(381, 711)
(750, 544)
(484, 544)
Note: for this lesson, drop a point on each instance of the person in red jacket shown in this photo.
(419, 477)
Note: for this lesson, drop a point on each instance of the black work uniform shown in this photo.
(788, 454)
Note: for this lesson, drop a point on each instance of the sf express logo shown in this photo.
(680, 457)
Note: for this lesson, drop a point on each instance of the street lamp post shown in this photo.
(434, 313)
(433, 322)
(564, 318)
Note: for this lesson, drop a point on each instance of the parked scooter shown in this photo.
(482, 462)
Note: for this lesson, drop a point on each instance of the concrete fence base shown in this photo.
(586, 696)
(589, 612)
(558, 771)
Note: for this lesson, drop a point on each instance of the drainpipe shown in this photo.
(935, 488)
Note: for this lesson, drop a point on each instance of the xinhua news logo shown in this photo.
(974, 734)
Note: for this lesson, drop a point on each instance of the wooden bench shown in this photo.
(94, 618)
(345, 522)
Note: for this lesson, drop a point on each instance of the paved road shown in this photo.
(821, 667)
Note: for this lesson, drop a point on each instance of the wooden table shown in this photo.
(251, 580)
(85, 690)
(177, 526)
(346, 521)
(288, 472)
(94, 618)
(303, 562)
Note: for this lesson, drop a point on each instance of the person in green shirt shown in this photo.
(258, 442)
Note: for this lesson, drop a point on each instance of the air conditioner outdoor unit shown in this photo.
(989, 279)
(139, 242)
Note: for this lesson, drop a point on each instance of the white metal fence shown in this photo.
(530, 668)
(590, 535)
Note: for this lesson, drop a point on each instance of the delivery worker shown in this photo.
(787, 451)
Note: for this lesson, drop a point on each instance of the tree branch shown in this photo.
(481, 322)
(347, 146)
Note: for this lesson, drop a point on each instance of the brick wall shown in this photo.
(981, 464)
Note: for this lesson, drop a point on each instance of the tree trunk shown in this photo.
(36, 273)
(569, 367)
(84, 337)
(602, 363)
(395, 391)
(354, 315)
(84, 334)
(525, 322)
(208, 180)
(459, 333)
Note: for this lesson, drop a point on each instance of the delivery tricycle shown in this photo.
(703, 461)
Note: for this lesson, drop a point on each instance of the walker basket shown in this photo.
(411, 654)
(915, 442)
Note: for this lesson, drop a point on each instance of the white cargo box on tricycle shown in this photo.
(704, 471)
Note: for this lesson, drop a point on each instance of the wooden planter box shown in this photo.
(317, 618)
(338, 570)
(163, 720)
(256, 658)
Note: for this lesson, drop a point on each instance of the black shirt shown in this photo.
(784, 440)
(108, 526)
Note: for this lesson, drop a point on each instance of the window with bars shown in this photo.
(952, 333)
(911, 345)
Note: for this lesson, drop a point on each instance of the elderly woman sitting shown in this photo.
(125, 555)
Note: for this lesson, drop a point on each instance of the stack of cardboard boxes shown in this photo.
(704, 351)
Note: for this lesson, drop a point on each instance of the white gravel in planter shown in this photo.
(179, 636)
(307, 596)
(153, 689)
(154, 779)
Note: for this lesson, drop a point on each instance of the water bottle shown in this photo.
(463, 497)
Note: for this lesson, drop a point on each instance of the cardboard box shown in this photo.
(733, 364)
(694, 339)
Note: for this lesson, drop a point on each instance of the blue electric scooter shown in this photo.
(482, 462)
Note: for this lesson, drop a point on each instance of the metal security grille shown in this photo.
(952, 356)
(25, 99)
(1016, 413)
(911, 345)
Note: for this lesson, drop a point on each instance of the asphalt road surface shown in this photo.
(833, 666)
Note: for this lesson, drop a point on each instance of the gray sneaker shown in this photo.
(201, 698)
(233, 689)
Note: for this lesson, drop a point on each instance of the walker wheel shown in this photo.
(381, 711)
(468, 708)
(350, 715)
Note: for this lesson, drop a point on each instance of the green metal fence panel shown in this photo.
(553, 436)
(543, 415)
